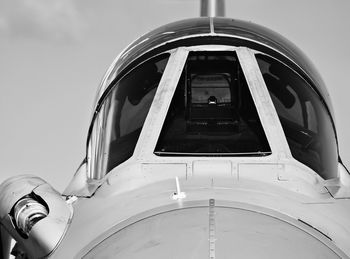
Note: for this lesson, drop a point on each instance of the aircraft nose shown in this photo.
(212, 232)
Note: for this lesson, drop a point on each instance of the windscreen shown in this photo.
(212, 112)
(304, 117)
(122, 115)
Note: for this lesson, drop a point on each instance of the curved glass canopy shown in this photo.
(304, 118)
(212, 113)
(121, 117)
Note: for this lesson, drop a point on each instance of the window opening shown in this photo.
(123, 113)
(212, 112)
(304, 118)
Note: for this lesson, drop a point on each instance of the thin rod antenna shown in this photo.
(212, 8)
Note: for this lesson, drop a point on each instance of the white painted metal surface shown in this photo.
(272, 203)
(209, 207)
(234, 230)
(262, 100)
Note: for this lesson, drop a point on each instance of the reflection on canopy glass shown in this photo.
(304, 118)
(212, 111)
(122, 115)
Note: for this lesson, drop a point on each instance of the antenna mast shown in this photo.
(212, 8)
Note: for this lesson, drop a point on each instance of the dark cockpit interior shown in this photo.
(212, 111)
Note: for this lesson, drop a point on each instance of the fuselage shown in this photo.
(210, 137)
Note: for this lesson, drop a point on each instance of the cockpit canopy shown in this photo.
(212, 109)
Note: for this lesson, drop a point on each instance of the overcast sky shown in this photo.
(53, 54)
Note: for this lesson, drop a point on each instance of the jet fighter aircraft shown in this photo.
(211, 138)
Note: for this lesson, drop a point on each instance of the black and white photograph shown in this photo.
(174, 129)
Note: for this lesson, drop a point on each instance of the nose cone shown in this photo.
(212, 232)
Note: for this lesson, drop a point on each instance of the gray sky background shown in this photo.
(53, 54)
